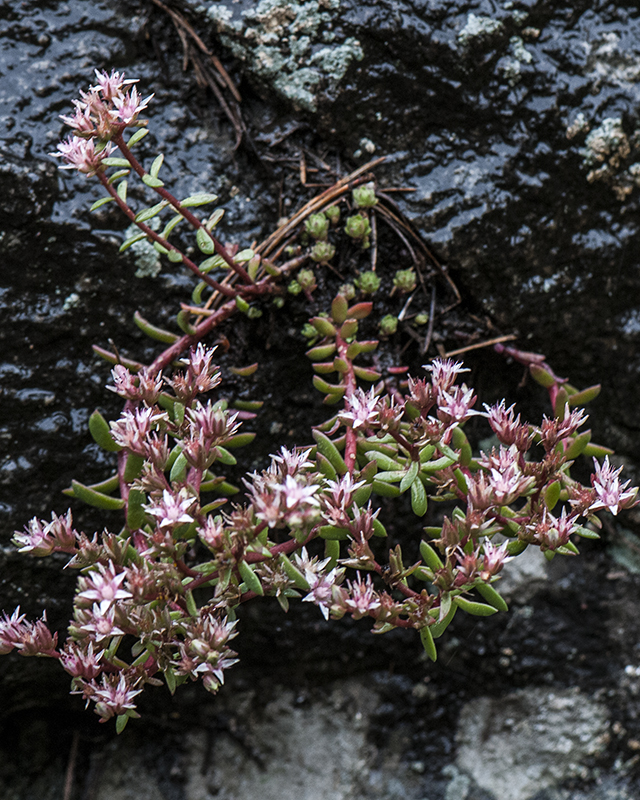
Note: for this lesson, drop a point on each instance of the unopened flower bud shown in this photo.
(307, 280)
(333, 214)
(368, 282)
(308, 330)
(422, 318)
(405, 280)
(357, 226)
(323, 252)
(365, 196)
(294, 288)
(317, 226)
(348, 291)
(388, 325)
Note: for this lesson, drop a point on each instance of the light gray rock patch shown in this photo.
(300, 751)
(517, 745)
(291, 46)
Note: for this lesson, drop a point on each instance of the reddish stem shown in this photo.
(349, 379)
(151, 234)
(191, 218)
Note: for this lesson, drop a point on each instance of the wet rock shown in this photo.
(294, 750)
(515, 745)
(517, 125)
(295, 48)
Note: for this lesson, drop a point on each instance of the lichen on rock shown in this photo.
(295, 48)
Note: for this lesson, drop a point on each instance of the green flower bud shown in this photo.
(365, 196)
(323, 252)
(348, 291)
(388, 325)
(368, 282)
(405, 280)
(317, 226)
(308, 331)
(422, 318)
(294, 288)
(333, 214)
(278, 302)
(307, 280)
(357, 226)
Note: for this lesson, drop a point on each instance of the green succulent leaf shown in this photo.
(101, 432)
(97, 499)
(149, 213)
(101, 202)
(426, 637)
(137, 136)
(132, 240)
(198, 199)
(151, 182)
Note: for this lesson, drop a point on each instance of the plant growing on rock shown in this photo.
(157, 600)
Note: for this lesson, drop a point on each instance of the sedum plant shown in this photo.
(156, 599)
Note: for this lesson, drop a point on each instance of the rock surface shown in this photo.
(517, 125)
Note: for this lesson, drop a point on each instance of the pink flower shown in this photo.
(494, 557)
(444, 373)
(551, 532)
(507, 427)
(204, 654)
(337, 499)
(133, 428)
(35, 539)
(362, 410)
(81, 122)
(82, 154)
(215, 425)
(509, 485)
(41, 538)
(455, 405)
(553, 431)
(201, 376)
(174, 509)
(12, 629)
(290, 462)
(467, 566)
(114, 696)
(100, 625)
(110, 86)
(422, 394)
(610, 492)
(129, 106)
(36, 639)
(102, 586)
(362, 598)
(321, 587)
(212, 533)
(79, 660)
(135, 387)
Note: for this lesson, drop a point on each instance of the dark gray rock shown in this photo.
(517, 124)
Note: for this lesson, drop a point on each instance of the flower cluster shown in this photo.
(158, 601)
(103, 112)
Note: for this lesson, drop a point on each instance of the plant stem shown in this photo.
(188, 215)
(129, 212)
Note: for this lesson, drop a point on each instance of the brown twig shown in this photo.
(478, 345)
(216, 79)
